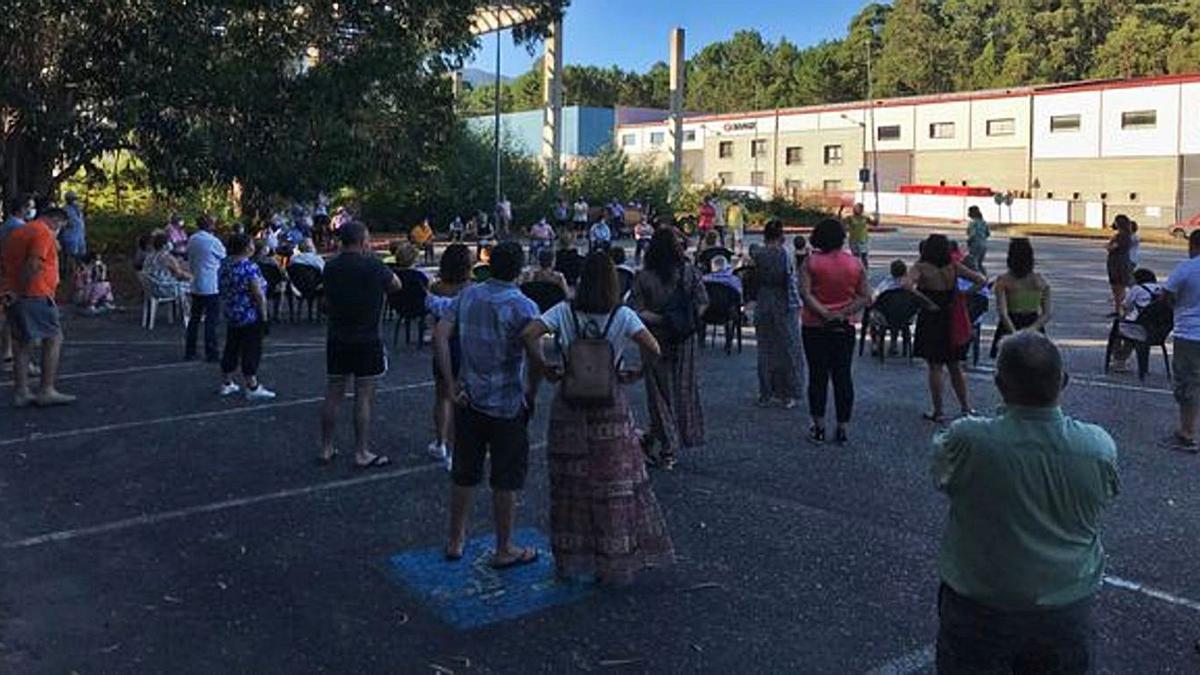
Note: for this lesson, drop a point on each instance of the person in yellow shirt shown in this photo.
(735, 222)
(421, 236)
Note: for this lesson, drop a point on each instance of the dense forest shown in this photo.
(918, 47)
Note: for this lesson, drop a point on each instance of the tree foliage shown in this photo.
(918, 47)
(281, 96)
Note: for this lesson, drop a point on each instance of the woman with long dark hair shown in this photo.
(454, 274)
(833, 283)
(943, 327)
(776, 321)
(1022, 295)
(1119, 263)
(669, 297)
(604, 518)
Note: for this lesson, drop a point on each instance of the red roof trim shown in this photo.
(954, 97)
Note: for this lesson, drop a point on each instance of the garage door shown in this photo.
(1189, 187)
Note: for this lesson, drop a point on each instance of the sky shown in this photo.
(633, 34)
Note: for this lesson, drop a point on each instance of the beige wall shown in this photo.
(999, 169)
(1154, 180)
(813, 172)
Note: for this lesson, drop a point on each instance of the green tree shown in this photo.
(280, 97)
(913, 58)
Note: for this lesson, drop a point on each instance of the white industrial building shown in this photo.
(1068, 153)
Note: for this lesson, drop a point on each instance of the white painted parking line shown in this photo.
(214, 507)
(922, 658)
(1151, 592)
(906, 664)
(177, 514)
(987, 372)
(166, 366)
(192, 417)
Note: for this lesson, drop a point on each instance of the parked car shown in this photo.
(1183, 229)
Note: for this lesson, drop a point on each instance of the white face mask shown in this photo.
(31, 214)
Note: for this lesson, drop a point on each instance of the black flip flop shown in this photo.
(935, 418)
(377, 462)
(451, 557)
(327, 461)
(528, 556)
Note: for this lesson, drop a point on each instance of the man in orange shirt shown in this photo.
(30, 283)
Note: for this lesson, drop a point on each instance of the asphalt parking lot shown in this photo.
(156, 527)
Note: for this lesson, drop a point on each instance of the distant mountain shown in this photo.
(477, 77)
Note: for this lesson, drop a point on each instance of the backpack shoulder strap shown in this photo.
(612, 316)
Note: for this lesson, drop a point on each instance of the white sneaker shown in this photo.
(228, 389)
(259, 393)
(449, 461)
(436, 450)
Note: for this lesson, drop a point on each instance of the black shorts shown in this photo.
(476, 436)
(358, 359)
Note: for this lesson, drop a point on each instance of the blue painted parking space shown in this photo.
(469, 593)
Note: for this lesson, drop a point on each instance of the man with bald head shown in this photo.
(1021, 559)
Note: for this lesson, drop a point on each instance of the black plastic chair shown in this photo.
(891, 315)
(704, 258)
(276, 287)
(625, 277)
(408, 304)
(309, 283)
(544, 294)
(1151, 329)
(977, 307)
(749, 277)
(724, 309)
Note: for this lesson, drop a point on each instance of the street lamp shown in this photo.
(874, 160)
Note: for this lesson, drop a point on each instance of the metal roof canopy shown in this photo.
(500, 17)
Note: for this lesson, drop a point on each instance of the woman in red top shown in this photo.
(834, 287)
(708, 215)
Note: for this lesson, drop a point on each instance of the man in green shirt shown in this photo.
(1021, 558)
(858, 233)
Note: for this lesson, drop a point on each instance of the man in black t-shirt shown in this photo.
(356, 289)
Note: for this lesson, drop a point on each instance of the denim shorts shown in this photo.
(33, 319)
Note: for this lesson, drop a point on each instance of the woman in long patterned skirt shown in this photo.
(672, 391)
(777, 321)
(604, 519)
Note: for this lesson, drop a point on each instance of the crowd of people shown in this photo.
(612, 324)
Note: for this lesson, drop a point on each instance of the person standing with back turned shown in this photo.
(1021, 559)
(356, 284)
(204, 254)
(1183, 288)
(494, 393)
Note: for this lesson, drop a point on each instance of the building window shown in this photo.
(795, 155)
(725, 178)
(1002, 127)
(941, 130)
(793, 185)
(758, 148)
(1139, 119)
(758, 178)
(657, 137)
(889, 133)
(833, 155)
(689, 136)
(1064, 124)
(725, 150)
(833, 186)
(628, 140)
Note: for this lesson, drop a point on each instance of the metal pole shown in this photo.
(874, 151)
(496, 203)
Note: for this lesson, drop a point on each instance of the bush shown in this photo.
(611, 174)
